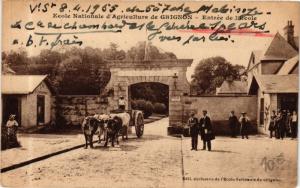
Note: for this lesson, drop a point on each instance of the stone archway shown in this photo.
(168, 72)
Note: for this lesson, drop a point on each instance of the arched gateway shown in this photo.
(168, 72)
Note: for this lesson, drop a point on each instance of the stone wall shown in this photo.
(73, 108)
(219, 107)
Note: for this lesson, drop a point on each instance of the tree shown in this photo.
(211, 72)
(19, 57)
(112, 53)
(82, 71)
(151, 91)
(3, 56)
(137, 52)
(18, 60)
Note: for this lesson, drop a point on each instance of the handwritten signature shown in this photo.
(65, 31)
(158, 8)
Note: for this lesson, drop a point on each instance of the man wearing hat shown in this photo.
(206, 131)
(244, 121)
(277, 122)
(194, 130)
(121, 103)
(282, 124)
(272, 125)
(233, 123)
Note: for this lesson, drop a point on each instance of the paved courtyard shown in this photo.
(156, 160)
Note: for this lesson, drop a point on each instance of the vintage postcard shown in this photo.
(158, 94)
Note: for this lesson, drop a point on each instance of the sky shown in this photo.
(236, 53)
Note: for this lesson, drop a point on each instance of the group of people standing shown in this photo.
(204, 128)
(283, 124)
(234, 123)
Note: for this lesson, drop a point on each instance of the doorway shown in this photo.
(40, 110)
(11, 105)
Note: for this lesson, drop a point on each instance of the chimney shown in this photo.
(289, 34)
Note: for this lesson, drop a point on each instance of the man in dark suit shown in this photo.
(233, 124)
(194, 130)
(206, 131)
(282, 124)
(244, 121)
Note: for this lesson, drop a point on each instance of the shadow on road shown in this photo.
(116, 148)
(100, 147)
(222, 151)
(124, 144)
(145, 138)
(128, 147)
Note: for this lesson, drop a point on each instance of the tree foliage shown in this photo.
(153, 92)
(137, 53)
(79, 71)
(160, 108)
(112, 53)
(75, 71)
(211, 72)
(143, 105)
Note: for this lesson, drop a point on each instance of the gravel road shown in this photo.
(157, 160)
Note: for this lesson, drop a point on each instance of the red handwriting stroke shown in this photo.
(244, 32)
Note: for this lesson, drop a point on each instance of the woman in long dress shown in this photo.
(12, 127)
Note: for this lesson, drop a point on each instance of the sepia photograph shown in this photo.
(149, 94)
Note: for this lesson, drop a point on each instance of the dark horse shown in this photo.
(90, 126)
(114, 126)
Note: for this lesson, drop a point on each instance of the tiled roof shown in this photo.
(288, 65)
(277, 83)
(233, 87)
(20, 84)
(279, 48)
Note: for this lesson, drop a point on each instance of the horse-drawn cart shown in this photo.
(136, 120)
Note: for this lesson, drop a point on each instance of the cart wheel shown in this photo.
(139, 125)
